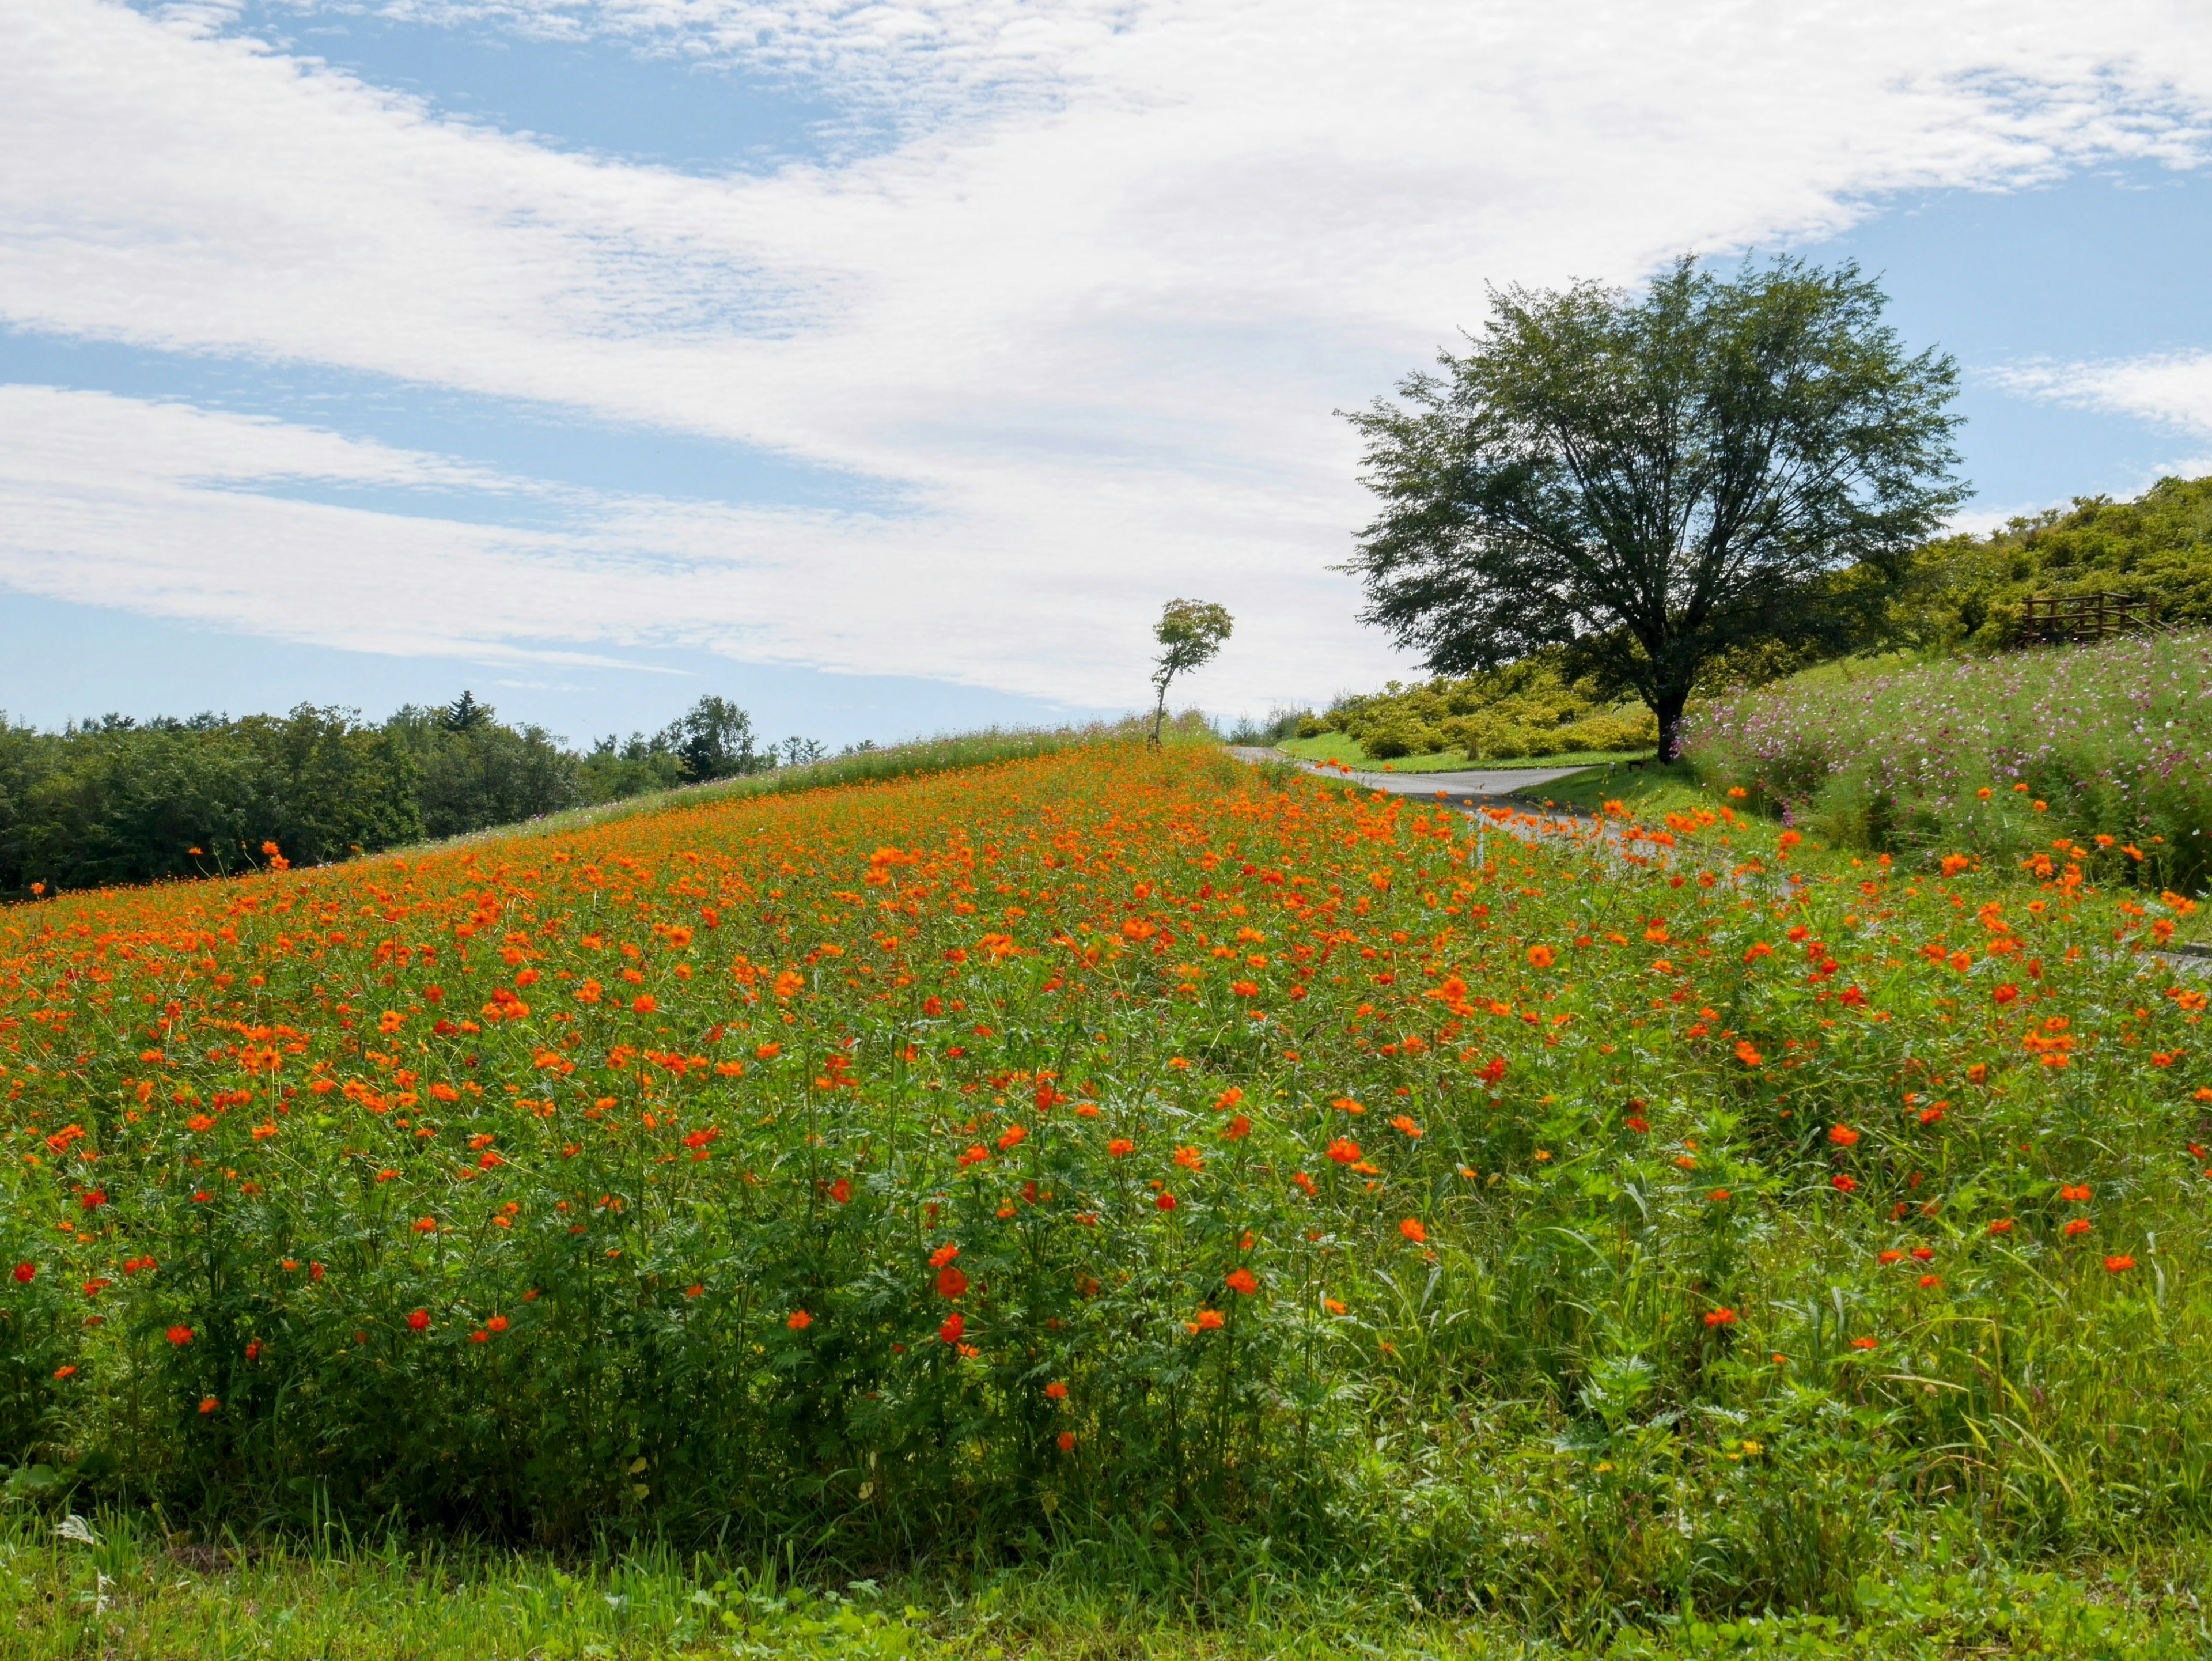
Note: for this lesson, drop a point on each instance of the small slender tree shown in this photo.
(1652, 481)
(1190, 633)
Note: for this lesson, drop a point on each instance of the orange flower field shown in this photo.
(1115, 1143)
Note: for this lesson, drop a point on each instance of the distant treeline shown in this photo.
(117, 800)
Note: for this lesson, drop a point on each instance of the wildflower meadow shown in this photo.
(1123, 1158)
(2110, 743)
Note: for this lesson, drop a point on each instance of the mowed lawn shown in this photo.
(1103, 1204)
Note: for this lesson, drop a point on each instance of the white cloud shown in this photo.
(204, 515)
(2175, 388)
(1093, 311)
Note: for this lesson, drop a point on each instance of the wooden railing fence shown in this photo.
(2054, 617)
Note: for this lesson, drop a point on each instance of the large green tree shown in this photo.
(1652, 480)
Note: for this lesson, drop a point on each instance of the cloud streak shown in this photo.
(2174, 387)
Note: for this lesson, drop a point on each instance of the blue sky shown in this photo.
(886, 366)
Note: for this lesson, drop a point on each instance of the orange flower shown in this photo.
(419, 1320)
(2119, 1265)
(1165, 1203)
(1862, 1343)
(1412, 1229)
(1746, 1055)
(1208, 1321)
(1242, 1281)
(180, 1335)
(951, 1282)
(799, 1321)
(1540, 957)
(943, 1255)
(1066, 1440)
(1720, 1317)
(1119, 1145)
(1344, 1151)
(2077, 1225)
(1842, 1135)
(1056, 1390)
(951, 1329)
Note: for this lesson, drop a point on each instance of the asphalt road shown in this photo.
(1475, 785)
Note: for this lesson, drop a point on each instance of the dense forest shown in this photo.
(119, 801)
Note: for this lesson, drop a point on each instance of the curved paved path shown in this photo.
(1476, 784)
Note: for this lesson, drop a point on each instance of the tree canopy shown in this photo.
(1652, 480)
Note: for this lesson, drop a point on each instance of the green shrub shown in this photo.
(1527, 709)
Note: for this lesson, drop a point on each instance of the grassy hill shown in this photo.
(1095, 1189)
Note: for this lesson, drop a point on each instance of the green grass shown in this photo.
(1650, 792)
(129, 1591)
(1336, 746)
(1864, 665)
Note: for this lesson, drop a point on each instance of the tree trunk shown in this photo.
(1668, 708)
